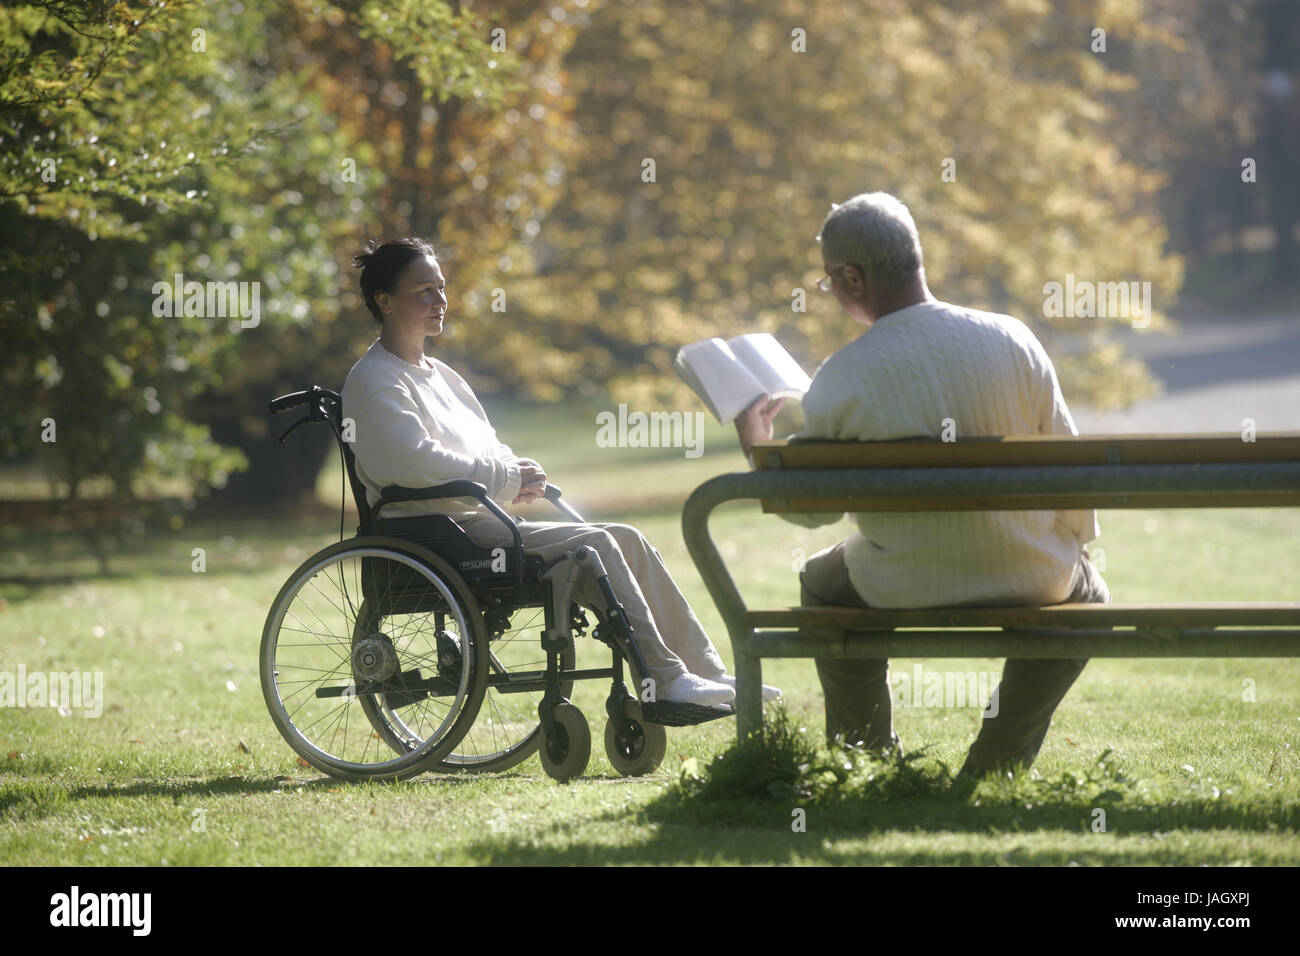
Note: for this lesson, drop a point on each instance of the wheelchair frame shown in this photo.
(384, 584)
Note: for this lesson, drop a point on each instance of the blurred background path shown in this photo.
(1215, 372)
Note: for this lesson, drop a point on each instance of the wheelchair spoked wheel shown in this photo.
(350, 659)
(508, 731)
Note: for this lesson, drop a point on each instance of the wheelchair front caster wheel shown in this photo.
(566, 750)
(634, 748)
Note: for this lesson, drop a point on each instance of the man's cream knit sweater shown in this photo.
(421, 425)
(902, 378)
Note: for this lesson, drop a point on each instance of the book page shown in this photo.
(719, 377)
(776, 370)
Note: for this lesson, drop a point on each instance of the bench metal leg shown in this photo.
(749, 694)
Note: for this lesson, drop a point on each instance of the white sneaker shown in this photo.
(692, 689)
(769, 693)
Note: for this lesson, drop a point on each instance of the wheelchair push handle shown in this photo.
(315, 395)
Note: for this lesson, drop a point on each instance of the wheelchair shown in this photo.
(410, 648)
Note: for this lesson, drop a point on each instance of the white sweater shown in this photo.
(418, 426)
(900, 379)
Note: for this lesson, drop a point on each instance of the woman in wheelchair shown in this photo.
(417, 423)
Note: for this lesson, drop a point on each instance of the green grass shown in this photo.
(184, 765)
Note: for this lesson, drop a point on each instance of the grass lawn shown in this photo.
(185, 767)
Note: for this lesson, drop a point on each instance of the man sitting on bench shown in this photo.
(925, 368)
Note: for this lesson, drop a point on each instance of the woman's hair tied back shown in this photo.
(382, 265)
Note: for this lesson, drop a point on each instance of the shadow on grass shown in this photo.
(864, 833)
(28, 798)
(788, 800)
(31, 799)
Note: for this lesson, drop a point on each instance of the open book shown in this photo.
(730, 375)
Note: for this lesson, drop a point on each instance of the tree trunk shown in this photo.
(277, 474)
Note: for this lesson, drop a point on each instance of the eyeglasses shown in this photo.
(824, 283)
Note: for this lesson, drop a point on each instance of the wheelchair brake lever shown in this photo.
(288, 431)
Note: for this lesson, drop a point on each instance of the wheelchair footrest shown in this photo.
(672, 714)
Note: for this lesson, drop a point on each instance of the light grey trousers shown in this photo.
(665, 629)
(859, 702)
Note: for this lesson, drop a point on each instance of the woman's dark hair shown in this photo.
(382, 266)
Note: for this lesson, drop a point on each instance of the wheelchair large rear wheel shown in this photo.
(357, 631)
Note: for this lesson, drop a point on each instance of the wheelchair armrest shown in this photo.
(459, 488)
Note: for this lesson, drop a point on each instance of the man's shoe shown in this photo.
(693, 689)
(769, 693)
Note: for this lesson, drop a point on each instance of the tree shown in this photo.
(452, 122)
(99, 151)
(183, 142)
(713, 149)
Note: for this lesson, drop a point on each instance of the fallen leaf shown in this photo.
(303, 763)
(136, 741)
(244, 747)
(14, 755)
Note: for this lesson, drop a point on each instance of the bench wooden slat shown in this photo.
(1031, 451)
(1243, 499)
(1055, 615)
(1012, 450)
(1031, 644)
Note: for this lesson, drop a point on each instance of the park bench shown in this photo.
(999, 473)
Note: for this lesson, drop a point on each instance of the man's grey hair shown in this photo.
(875, 232)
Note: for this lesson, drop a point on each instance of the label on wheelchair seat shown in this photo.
(495, 564)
